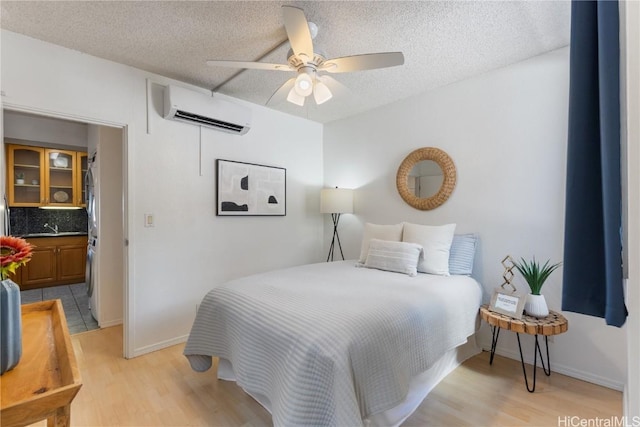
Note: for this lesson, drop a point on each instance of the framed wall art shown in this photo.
(248, 189)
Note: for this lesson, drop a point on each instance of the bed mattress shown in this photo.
(329, 343)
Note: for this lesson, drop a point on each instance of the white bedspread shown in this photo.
(329, 343)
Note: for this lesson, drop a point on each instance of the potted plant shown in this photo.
(535, 276)
(20, 178)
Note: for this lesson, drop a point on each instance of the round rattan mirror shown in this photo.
(448, 179)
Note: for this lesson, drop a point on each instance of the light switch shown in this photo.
(148, 220)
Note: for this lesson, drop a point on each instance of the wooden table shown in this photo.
(555, 323)
(47, 378)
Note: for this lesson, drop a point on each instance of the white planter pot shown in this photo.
(536, 306)
(20, 181)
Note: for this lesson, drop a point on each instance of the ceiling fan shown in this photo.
(307, 62)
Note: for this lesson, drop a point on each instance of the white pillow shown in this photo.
(436, 243)
(399, 257)
(391, 233)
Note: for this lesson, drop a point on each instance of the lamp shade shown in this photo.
(294, 98)
(336, 200)
(303, 85)
(321, 93)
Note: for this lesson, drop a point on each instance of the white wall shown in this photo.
(109, 254)
(506, 132)
(108, 259)
(47, 131)
(630, 22)
(190, 250)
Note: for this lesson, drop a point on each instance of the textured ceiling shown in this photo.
(442, 41)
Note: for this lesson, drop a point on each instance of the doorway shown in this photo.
(110, 254)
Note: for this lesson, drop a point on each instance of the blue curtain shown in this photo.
(592, 282)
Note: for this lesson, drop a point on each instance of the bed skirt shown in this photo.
(419, 387)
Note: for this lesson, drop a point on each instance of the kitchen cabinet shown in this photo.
(39, 177)
(25, 175)
(55, 261)
(61, 186)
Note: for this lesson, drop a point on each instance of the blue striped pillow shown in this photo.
(461, 254)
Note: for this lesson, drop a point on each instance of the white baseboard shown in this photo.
(159, 346)
(110, 323)
(559, 368)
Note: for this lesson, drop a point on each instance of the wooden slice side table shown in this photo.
(554, 324)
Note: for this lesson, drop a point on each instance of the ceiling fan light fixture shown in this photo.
(303, 85)
(294, 98)
(321, 92)
(306, 60)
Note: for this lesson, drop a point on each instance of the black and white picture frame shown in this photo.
(248, 189)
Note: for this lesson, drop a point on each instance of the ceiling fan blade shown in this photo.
(297, 27)
(281, 93)
(368, 61)
(253, 65)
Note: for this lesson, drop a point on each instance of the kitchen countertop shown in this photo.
(60, 234)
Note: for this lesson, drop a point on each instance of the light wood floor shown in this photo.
(160, 389)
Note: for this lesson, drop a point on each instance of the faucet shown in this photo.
(54, 228)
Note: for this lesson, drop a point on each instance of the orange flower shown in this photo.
(14, 252)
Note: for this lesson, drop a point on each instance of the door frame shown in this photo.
(127, 136)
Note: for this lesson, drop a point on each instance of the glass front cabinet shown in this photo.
(25, 175)
(40, 176)
(61, 178)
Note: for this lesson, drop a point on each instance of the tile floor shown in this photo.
(75, 303)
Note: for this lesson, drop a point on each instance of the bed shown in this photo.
(334, 344)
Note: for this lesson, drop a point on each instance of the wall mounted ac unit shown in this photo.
(199, 109)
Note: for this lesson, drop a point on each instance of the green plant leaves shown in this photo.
(534, 274)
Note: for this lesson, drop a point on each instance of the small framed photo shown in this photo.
(507, 303)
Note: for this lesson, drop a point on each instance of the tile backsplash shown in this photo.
(32, 220)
